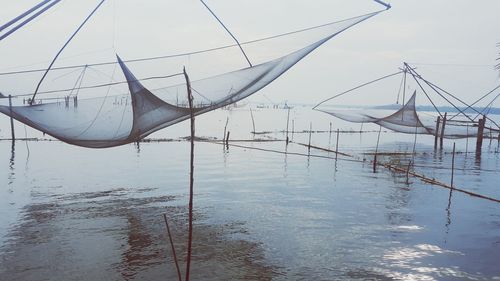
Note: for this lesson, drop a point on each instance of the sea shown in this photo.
(264, 209)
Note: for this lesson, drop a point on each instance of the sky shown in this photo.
(451, 42)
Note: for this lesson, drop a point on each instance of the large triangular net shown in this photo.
(115, 120)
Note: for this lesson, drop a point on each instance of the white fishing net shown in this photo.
(116, 119)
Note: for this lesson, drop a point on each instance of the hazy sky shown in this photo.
(452, 42)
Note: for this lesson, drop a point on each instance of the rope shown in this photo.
(481, 98)
(193, 52)
(236, 40)
(63, 47)
(100, 85)
(14, 29)
(355, 88)
(423, 90)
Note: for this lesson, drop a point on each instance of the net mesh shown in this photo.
(119, 119)
(406, 120)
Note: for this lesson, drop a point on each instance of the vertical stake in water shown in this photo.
(225, 127)
(467, 140)
(436, 135)
(480, 132)
(442, 131)
(452, 165)
(176, 261)
(253, 121)
(310, 132)
(287, 122)
(376, 151)
(191, 177)
(408, 172)
(337, 145)
(293, 129)
(13, 135)
(330, 135)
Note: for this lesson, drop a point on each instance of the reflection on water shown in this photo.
(12, 172)
(259, 215)
(82, 236)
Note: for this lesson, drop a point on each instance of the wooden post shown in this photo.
(225, 127)
(330, 135)
(436, 135)
(498, 140)
(287, 122)
(293, 127)
(13, 135)
(253, 121)
(376, 151)
(467, 139)
(480, 132)
(337, 145)
(408, 173)
(176, 261)
(452, 165)
(191, 177)
(442, 131)
(227, 139)
(310, 132)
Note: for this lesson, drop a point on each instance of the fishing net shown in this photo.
(406, 120)
(113, 120)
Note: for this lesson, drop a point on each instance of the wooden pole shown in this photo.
(376, 151)
(337, 145)
(467, 139)
(293, 127)
(408, 173)
(330, 135)
(227, 139)
(287, 122)
(176, 261)
(13, 135)
(480, 132)
(253, 121)
(442, 131)
(436, 135)
(225, 127)
(452, 165)
(310, 132)
(191, 177)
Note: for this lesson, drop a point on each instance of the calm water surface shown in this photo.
(71, 213)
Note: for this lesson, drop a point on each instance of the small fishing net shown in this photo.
(406, 119)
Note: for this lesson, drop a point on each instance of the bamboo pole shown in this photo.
(176, 261)
(436, 135)
(442, 131)
(376, 151)
(310, 132)
(13, 135)
(287, 122)
(408, 173)
(467, 139)
(191, 177)
(480, 132)
(452, 165)
(253, 121)
(337, 145)
(225, 127)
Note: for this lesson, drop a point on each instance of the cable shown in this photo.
(189, 53)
